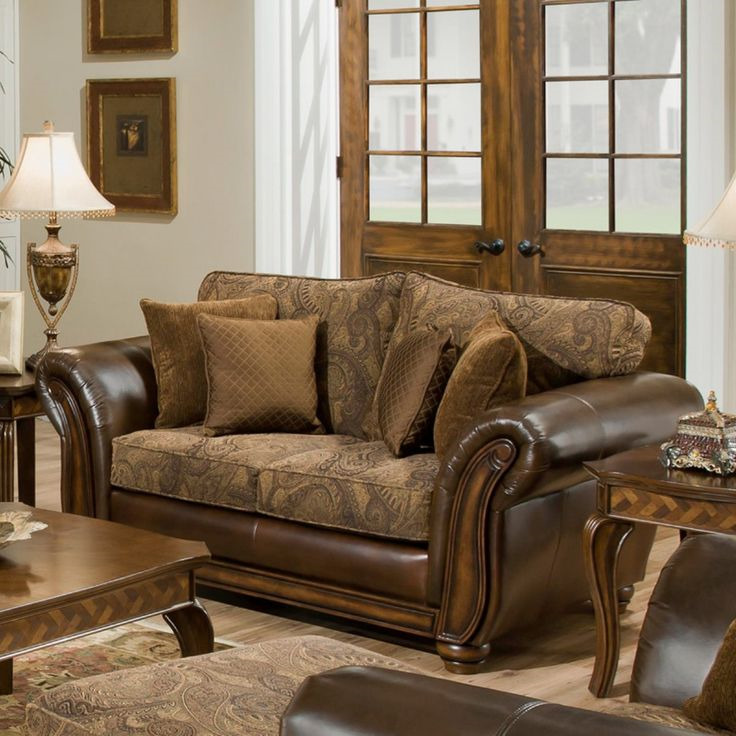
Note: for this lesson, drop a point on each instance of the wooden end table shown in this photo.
(83, 575)
(634, 486)
(19, 407)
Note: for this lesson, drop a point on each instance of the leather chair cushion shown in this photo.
(241, 691)
(565, 339)
(661, 714)
(357, 317)
(691, 608)
(221, 471)
(360, 488)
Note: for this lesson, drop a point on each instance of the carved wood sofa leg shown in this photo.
(463, 659)
(625, 595)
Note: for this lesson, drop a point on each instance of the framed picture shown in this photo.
(131, 26)
(11, 332)
(131, 142)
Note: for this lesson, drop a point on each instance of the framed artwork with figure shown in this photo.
(131, 26)
(131, 142)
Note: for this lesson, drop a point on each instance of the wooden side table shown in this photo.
(634, 486)
(19, 407)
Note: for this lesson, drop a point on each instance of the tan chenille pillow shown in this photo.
(716, 704)
(260, 375)
(412, 380)
(176, 351)
(490, 372)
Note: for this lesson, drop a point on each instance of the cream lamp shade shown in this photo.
(49, 181)
(719, 228)
(49, 177)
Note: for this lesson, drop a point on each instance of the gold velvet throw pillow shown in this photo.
(412, 380)
(176, 351)
(716, 704)
(260, 375)
(491, 371)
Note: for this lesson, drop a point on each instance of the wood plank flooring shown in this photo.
(552, 662)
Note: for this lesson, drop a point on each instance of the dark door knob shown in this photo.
(495, 247)
(529, 249)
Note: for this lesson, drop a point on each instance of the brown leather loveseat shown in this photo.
(459, 549)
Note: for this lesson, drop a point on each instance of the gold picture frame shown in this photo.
(131, 142)
(132, 26)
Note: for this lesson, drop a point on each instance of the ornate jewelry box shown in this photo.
(705, 440)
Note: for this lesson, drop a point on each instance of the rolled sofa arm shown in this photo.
(92, 394)
(368, 701)
(554, 432)
(525, 450)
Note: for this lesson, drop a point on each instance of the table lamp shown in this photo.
(49, 180)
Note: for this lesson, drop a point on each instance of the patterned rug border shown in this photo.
(123, 647)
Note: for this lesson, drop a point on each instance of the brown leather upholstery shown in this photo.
(507, 510)
(92, 394)
(372, 565)
(691, 607)
(368, 701)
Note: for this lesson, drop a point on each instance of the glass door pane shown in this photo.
(613, 115)
(424, 113)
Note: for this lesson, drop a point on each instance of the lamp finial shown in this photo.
(48, 126)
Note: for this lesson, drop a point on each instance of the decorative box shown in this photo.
(705, 440)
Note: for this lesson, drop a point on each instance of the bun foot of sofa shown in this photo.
(463, 659)
(624, 597)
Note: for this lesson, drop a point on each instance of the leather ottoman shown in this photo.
(240, 691)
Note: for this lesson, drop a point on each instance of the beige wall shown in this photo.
(133, 256)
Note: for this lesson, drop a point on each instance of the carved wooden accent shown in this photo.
(659, 508)
(603, 539)
(471, 537)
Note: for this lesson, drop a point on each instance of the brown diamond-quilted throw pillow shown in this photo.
(260, 375)
(716, 704)
(176, 352)
(409, 391)
(491, 371)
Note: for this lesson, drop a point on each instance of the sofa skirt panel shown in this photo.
(360, 563)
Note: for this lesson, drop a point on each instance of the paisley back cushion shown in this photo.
(357, 318)
(566, 340)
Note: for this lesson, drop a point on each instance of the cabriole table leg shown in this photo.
(193, 629)
(602, 539)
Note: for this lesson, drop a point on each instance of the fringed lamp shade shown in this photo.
(49, 177)
(49, 181)
(719, 228)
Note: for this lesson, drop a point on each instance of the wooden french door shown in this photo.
(533, 145)
(424, 137)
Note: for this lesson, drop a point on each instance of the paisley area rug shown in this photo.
(126, 646)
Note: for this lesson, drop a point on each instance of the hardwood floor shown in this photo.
(553, 662)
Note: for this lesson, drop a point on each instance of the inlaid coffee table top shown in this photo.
(643, 466)
(76, 556)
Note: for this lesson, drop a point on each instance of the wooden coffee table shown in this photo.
(83, 575)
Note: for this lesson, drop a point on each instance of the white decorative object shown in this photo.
(17, 525)
(11, 332)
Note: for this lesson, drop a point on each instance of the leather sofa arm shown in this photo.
(531, 448)
(368, 701)
(92, 394)
(551, 434)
